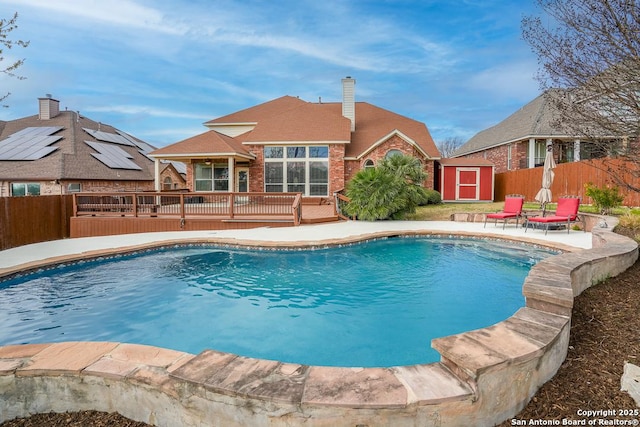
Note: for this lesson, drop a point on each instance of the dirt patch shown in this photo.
(74, 419)
(605, 333)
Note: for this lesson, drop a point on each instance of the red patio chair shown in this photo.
(566, 213)
(512, 209)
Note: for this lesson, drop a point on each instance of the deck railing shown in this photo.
(271, 206)
(340, 203)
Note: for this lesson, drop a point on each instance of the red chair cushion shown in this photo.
(513, 205)
(553, 218)
(502, 215)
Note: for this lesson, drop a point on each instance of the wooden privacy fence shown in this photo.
(570, 179)
(26, 220)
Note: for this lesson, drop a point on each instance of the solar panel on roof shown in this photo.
(145, 148)
(30, 143)
(108, 137)
(112, 156)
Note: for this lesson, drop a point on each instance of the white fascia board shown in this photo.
(519, 139)
(200, 156)
(231, 129)
(386, 137)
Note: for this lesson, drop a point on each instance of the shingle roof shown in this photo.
(206, 144)
(374, 123)
(262, 111)
(73, 158)
(532, 120)
(463, 161)
(306, 122)
(291, 120)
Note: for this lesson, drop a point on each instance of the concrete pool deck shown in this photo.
(484, 377)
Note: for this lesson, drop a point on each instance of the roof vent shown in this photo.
(48, 107)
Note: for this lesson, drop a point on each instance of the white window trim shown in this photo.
(307, 161)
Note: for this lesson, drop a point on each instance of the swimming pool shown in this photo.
(377, 303)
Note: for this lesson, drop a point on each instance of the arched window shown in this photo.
(167, 183)
(392, 153)
(368, 164)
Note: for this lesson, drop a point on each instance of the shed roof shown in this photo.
(464, 161)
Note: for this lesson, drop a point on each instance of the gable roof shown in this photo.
(532, 120)
(289, 120)
(306, 123)
(375, 124)
(204, 145)
(262, 111)
(73, 154)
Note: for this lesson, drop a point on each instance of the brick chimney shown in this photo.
(48, 108)
(349, 100)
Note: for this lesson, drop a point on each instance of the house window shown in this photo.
(508, 157)
(212, 177)
(297, 169)
(74, 187)
(368, 164)
(541, 153)
(392, 153)
(166, 185)
(25, 189)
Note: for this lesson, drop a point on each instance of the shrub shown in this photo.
(605, 198)
(630, 220)
(431, 197)
(390, 190)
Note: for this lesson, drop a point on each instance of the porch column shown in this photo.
(576, 150)
(158, 183)
(532, 152)
(232, 174)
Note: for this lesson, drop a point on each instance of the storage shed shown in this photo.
(465, 180)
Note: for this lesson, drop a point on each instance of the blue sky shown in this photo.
(159, 69)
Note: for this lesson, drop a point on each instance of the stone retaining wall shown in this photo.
(484, 377)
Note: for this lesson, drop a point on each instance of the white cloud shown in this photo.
(514, 80)
(145, 110)
(125, 13)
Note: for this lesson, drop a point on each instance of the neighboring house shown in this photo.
(60, 152)
(520, 141)
(291, 145)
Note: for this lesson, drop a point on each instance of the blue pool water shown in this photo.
(377, 303)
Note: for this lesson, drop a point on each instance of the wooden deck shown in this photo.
(101, 214)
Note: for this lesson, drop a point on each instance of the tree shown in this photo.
(390, 190)
(449, 145)
(6, 27)
(589, 57)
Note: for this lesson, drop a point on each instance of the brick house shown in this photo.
(61, 152)
(520, 141)
(291, 145)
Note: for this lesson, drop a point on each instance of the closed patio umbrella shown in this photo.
(544, 195)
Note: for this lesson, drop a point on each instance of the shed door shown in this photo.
(468, 184)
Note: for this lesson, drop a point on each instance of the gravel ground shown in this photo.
(605, 333)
